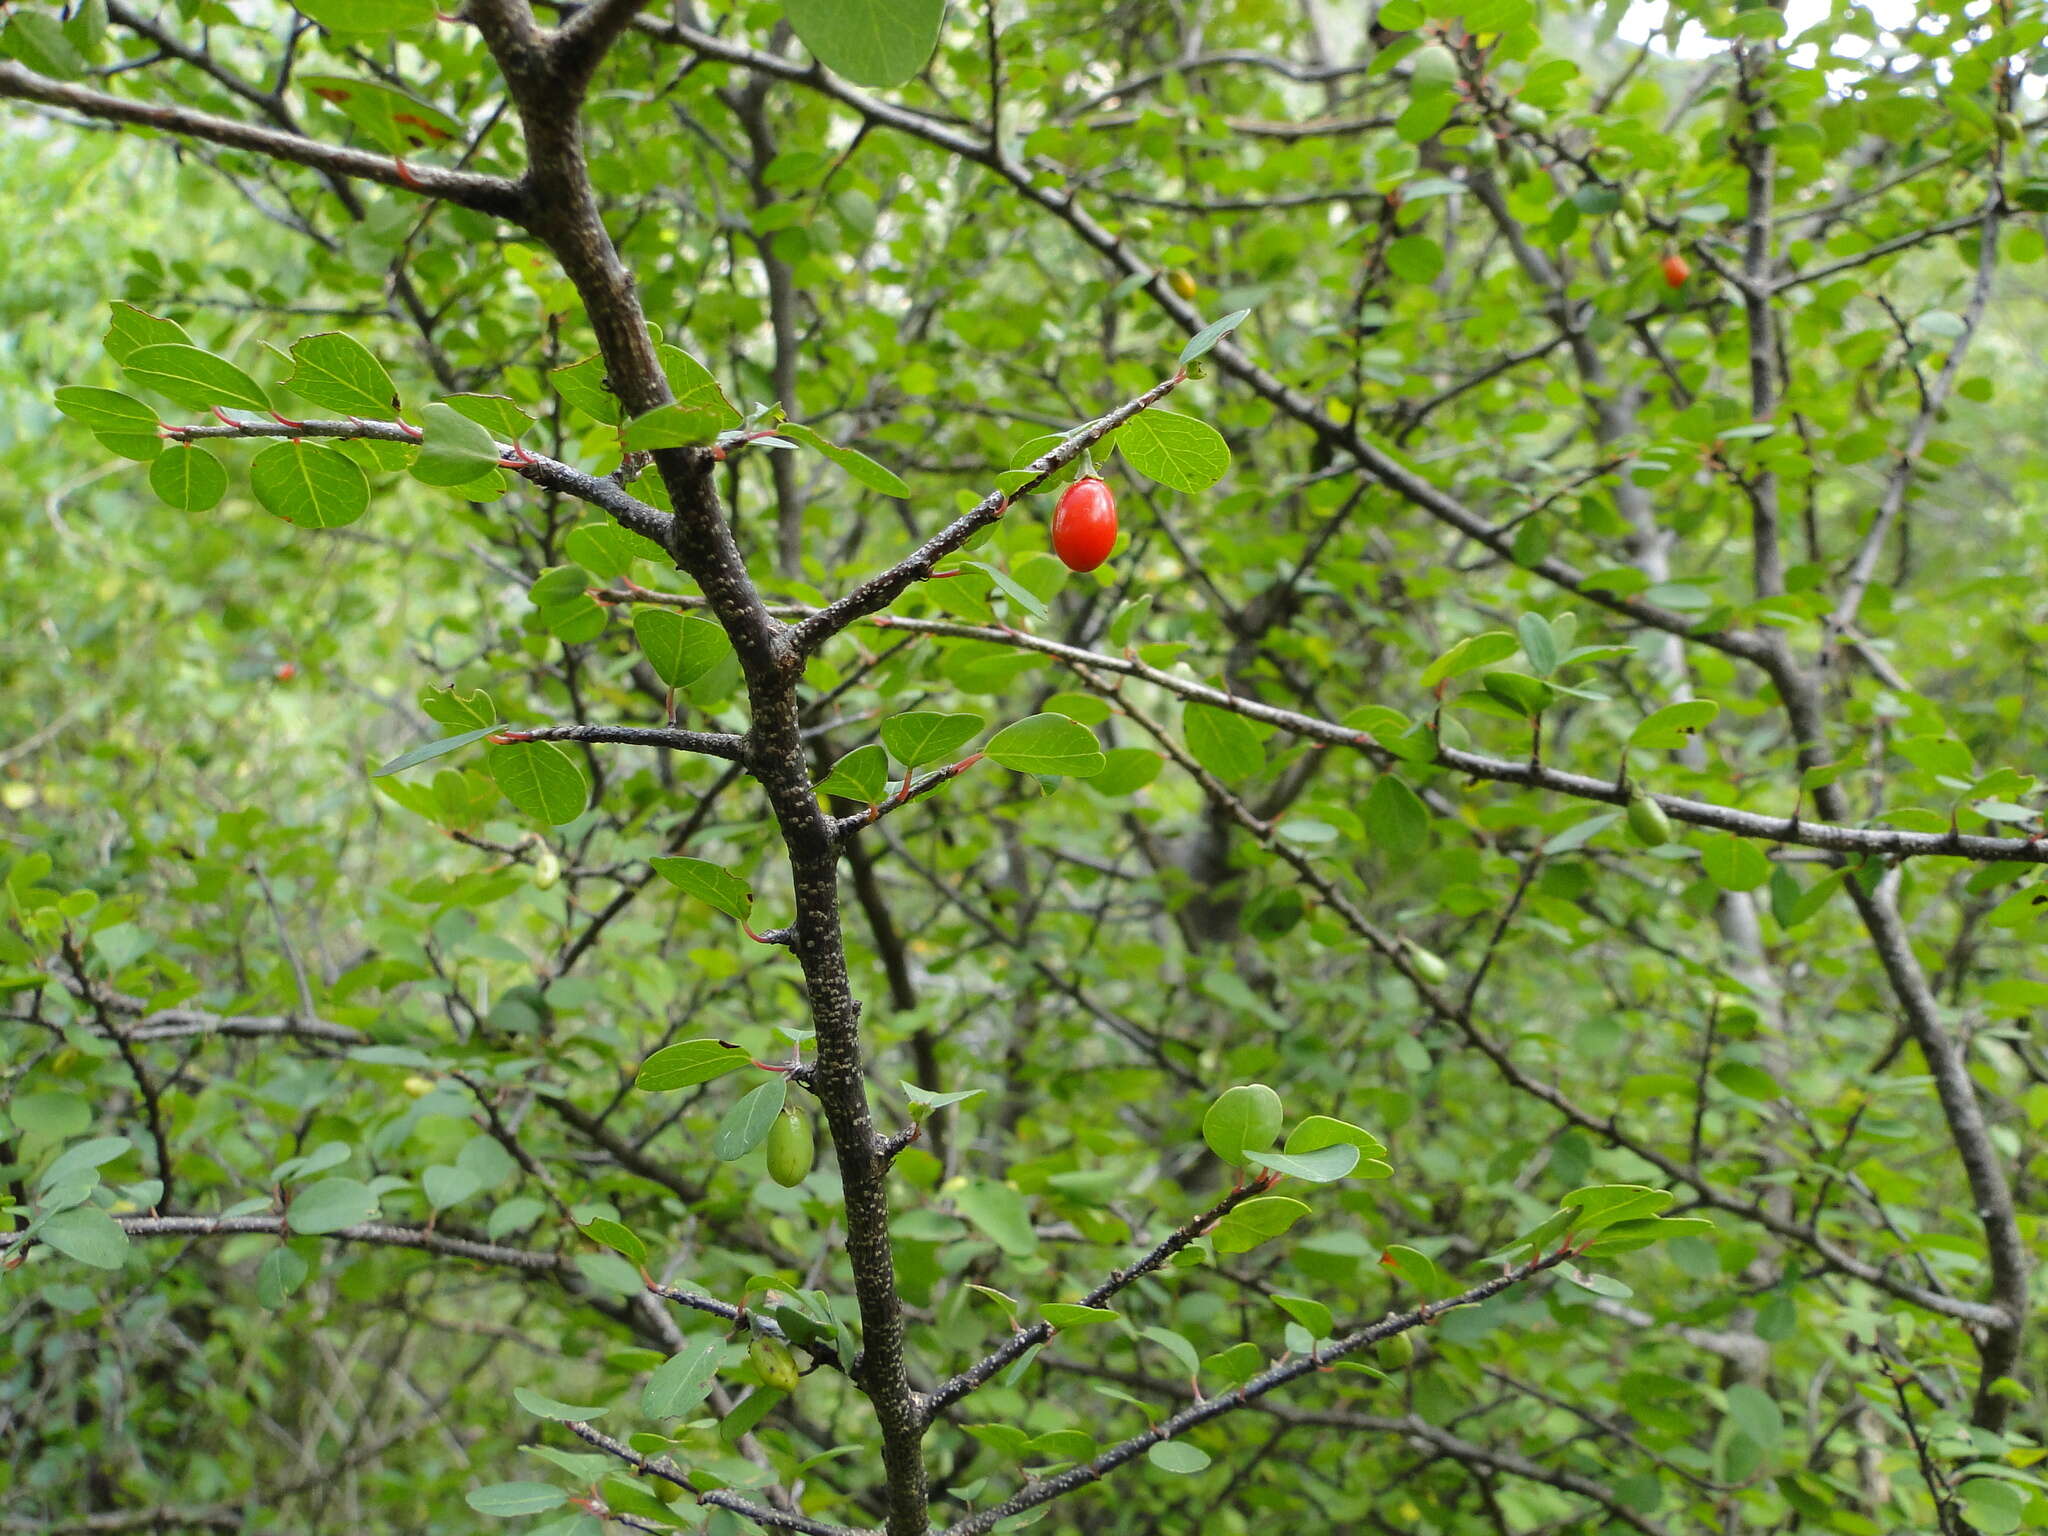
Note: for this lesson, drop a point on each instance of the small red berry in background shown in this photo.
(1084, 524)
(1676, 270)
(286, 671)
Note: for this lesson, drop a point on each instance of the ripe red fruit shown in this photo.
(1084, 524)
(1676, 270)
(286, 671)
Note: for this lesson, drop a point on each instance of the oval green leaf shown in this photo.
(309, 485)
(1047, 744)
(455, 450)
(189, 479)
(541, 779)
(1180, 452)
(339, 372)
(747, 1123)
(192, 378)
(871, 42)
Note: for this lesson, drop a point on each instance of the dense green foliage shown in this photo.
(1473, 526)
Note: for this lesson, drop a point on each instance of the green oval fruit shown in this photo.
(790, 1148)
(1647, 823)
(1396, 1352)
(1428, 965)
(1633, 205)
(2008, 127)
(1433, 68)
(774, 1363)
(547, 869)
(1626, 242)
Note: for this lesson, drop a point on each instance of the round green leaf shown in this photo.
(708, 882)
(1047, 744)
(1222, 742)
(280, 1274)
(455, 450)
(1243, 1120)
(923, 737)
(1671, 727)
(310, 485)
(88, 1234)
(541, 779)
(328, 1205)
(1993, 1507)
(189, 479)
(1178, 451)
(1735, 863)
(1177, 1456)
(871, 42)
(681, 648)
(1396, 819)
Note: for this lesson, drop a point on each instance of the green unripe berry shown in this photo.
(1426, 964)
(773, 1362)
(1633, 205)
(1647, 823)
(2008, 127)
(1396, 1352)
(790, 1148)
(1433, 68)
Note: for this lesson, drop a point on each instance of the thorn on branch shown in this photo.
(887, 1147)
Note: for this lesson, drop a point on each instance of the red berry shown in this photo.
(1084, 524)
(287, 670)
(1676, 270)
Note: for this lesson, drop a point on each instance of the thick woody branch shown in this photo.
(563, 211)
(582, 40)
(486, 194)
